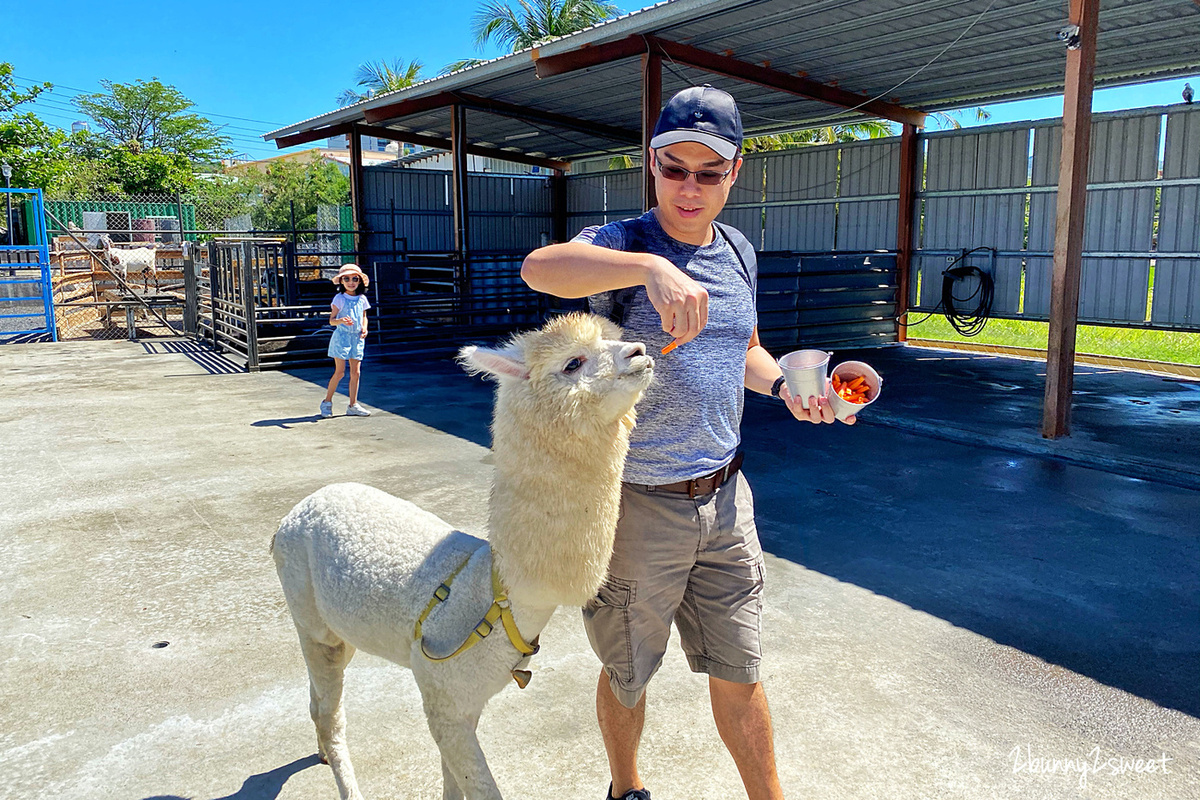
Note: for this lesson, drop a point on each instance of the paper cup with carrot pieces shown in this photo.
(852, 387)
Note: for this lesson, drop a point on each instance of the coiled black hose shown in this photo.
(966, 322)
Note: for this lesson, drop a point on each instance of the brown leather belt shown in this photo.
(705, 484)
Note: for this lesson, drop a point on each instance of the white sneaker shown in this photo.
(326, 409)
(357, 410)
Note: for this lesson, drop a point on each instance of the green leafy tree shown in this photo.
(138, 171)
(536, 21)
(307, 186)
(156, 117)
(37, 152)
(829, 134)
(380, 77)
(218, 197)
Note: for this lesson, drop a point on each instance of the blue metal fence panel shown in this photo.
(1123, 149)
(1176, 298)
(966, 206)
(26, 299)
(801, 197)
(869, 170)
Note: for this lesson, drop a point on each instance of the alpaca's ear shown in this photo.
(497, 363)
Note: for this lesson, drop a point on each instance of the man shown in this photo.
(686, 548)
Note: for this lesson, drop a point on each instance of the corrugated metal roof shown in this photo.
(903, 51)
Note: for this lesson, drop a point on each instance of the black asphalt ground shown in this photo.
(954, 608)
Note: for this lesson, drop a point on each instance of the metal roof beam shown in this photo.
(727, 66)
(473, 149)
(391, 134)
(304, 137)
(446, 99)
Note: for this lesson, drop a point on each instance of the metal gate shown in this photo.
(247, 278)
(26, 302)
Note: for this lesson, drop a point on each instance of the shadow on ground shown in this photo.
(434, 393)
(199, 354)
(263, 786)
(285, 422)
(1093, 571)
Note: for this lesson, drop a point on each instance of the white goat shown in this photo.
(137, 259)
(360, 568)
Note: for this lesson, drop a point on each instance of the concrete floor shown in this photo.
(944, 619)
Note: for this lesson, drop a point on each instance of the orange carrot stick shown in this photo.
(670, 347)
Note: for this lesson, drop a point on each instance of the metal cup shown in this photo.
(848, 371)
(804, 372)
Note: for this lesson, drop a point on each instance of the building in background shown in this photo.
(440, 159)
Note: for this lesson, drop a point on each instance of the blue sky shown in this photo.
(255, 66)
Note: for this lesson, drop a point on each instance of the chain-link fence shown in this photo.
(211, 210)
(117, 261)
(95, 298)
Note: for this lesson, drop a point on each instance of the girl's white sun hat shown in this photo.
(351, 269)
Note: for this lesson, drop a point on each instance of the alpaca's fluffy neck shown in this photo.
(554, 506)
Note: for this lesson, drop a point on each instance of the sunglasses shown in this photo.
(704, 177)
(354, 278)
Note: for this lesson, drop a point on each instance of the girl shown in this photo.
(348, 315)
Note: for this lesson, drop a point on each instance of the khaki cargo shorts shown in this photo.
(695, 561)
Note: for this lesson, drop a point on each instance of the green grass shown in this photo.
(1171, 346)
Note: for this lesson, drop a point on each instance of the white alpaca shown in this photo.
(137, 259)
(359, 567)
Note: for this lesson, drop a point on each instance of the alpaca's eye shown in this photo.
(573, 365)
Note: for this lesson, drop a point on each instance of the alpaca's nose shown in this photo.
(632, 350)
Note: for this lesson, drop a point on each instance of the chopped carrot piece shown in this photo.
(857, 382)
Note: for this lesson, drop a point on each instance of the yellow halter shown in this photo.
(501, 610)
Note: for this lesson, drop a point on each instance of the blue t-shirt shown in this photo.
(352, 306)
(688, 423)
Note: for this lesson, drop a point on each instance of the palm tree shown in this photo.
(950, 119)
(870, 129)
(537, 21)
(380, 77)
(455, 66)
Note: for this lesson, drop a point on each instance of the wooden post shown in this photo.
(1068, 233)
(651, 106)
(357, 201)
(904, 223)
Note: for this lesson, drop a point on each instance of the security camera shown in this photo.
(1069, 34)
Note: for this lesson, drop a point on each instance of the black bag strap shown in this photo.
(744, 250)
(635, 242)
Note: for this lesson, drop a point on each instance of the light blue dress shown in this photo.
(346, 341)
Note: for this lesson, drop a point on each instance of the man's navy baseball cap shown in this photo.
(701, 114)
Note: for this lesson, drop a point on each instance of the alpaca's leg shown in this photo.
(450, 790)
(326, 668)
(314, 711)
(461, 754)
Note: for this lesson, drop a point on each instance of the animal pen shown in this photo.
(857, 240)
(930, 201)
